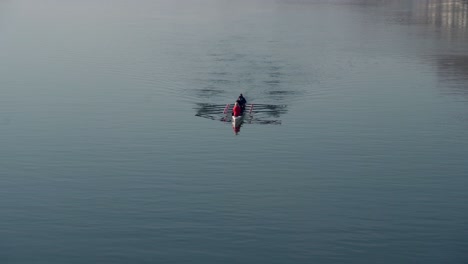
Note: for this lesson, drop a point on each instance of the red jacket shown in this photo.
(237, 110)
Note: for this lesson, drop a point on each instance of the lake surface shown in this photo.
(113, 147)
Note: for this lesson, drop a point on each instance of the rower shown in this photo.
(236, 110)
(241, 100)
(241, 106)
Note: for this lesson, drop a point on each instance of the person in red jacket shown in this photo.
(236, 110)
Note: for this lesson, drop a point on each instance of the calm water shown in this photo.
(112, 149)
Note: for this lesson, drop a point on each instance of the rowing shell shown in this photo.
(237, 120)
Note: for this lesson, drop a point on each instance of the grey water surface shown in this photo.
(113, 147)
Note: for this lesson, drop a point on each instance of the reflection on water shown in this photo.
(450, 19)
(446, 14)
(453, 73)
(449, 15)
(454, 65)
(444, 25)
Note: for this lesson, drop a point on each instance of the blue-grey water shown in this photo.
(113, 147)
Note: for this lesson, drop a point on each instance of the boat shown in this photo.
(237, 120)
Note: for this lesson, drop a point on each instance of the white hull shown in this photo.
(237, 120)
